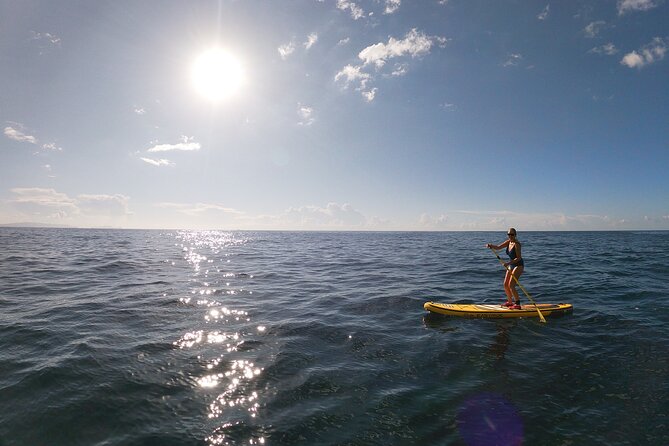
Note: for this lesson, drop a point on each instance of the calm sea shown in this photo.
(112, 337)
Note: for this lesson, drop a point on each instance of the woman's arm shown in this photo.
(495, 247)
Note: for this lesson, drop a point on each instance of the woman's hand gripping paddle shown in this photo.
(541, 316)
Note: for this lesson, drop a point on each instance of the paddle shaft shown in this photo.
(541, 316)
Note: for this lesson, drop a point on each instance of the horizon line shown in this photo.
(30, 225)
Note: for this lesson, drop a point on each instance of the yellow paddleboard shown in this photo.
(496, 311)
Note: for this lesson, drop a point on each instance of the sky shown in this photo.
(335, 114)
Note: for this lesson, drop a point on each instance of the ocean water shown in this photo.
(112, 337)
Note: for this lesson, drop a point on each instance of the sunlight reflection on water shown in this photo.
(224, 371)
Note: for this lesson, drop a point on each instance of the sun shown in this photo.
(216, 74)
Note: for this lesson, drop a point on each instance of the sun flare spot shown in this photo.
(216, 74)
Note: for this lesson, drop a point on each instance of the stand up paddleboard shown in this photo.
(486, 311)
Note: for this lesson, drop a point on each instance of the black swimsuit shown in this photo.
(512, 256)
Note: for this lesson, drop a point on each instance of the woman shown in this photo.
(514, 268)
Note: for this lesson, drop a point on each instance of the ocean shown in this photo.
(129, 337)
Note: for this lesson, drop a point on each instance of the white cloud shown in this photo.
(593, 28)
(633, 60)
(311, 40)
(543, 15)
(609, 49)
(286, 50)
(414, 44)
(350, 74)
(646, 55)
(426, 221)
(44, 205)
(187, 145)
(46, 37)
(400, 70)
(19, 135)
(625, 6)
(42, 197)
(196, 209)
(344, 41)
(392, 6)
(140, 111)
(598, 98)
(356, 11)
(158, 162)
(501, 220)
(17, 132)
(103, 204)
(45, 42)
(513, 60)
(306, 115)
(52, 146)
(369, 95)
(333, 216)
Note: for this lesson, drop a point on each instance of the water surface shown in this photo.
(111, 337)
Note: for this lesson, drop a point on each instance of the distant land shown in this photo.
(33, 225)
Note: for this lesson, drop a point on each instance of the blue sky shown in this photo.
(351, 115)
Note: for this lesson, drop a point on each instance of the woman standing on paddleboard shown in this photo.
(514, 268)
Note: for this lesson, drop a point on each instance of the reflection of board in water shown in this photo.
(487, 311)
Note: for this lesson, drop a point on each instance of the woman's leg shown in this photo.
(507, 287)
(517, 271)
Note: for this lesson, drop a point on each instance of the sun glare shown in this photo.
(216, 74)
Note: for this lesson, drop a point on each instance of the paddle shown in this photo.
(541, 316)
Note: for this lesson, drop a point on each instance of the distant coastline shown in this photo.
(34, 225)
